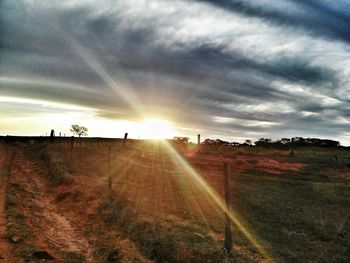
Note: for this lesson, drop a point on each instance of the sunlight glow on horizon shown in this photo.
(156, 129)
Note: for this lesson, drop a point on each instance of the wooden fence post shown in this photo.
(52, 136)
(227, 193)
(125, 138)
(198, 139)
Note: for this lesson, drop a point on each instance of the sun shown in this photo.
(156, 129)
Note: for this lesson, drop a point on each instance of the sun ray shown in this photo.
(153, 129)
(215, 197)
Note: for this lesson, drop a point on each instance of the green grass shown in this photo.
(296, 219)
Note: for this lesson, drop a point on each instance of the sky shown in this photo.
(230, 69)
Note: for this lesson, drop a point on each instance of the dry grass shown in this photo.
(297, 207)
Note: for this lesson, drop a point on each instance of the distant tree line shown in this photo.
(266, 142)
(298, 141)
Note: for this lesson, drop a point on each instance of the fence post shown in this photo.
(109, 169)
(228, 230)
(52, 136)
(125, 138)
(198, 139)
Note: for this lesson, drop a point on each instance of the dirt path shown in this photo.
(52, 231)
(4, 244)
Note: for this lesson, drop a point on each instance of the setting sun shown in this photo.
(156, 129)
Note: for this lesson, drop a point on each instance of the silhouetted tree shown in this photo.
(215, 142)
(249, 142)
(208, 141)
(221, 142)
(79, 130)
(181, 139)
(284, 140)
(263, 142)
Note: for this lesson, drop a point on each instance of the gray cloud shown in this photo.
(318, 17)
(232, 86)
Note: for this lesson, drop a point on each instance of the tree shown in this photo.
(221, 142)
(263, 142)
(215, 142)
(181, 139)
(208, 141)
(79, 130)
(285, 140)
(249, 142)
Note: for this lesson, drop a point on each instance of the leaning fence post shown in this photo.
(109, 169)
(227, 193)
(125, 138)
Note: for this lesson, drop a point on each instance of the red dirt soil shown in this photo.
(53, 232)
(157, 187)
(59, 217)
(4, 244)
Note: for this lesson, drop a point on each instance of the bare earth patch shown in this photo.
(5, 255)
(53, 232)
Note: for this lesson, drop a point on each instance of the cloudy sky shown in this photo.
(232, 69)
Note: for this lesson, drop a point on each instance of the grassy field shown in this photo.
(294, 208)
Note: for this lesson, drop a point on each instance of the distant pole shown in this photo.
(198, 139)
(228, 230)
(125, 138)
(60, 134)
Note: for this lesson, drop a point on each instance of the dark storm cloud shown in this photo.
(198, 82)
(204, 61)
(314, 15)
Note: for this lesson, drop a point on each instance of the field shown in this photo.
(156, 202)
